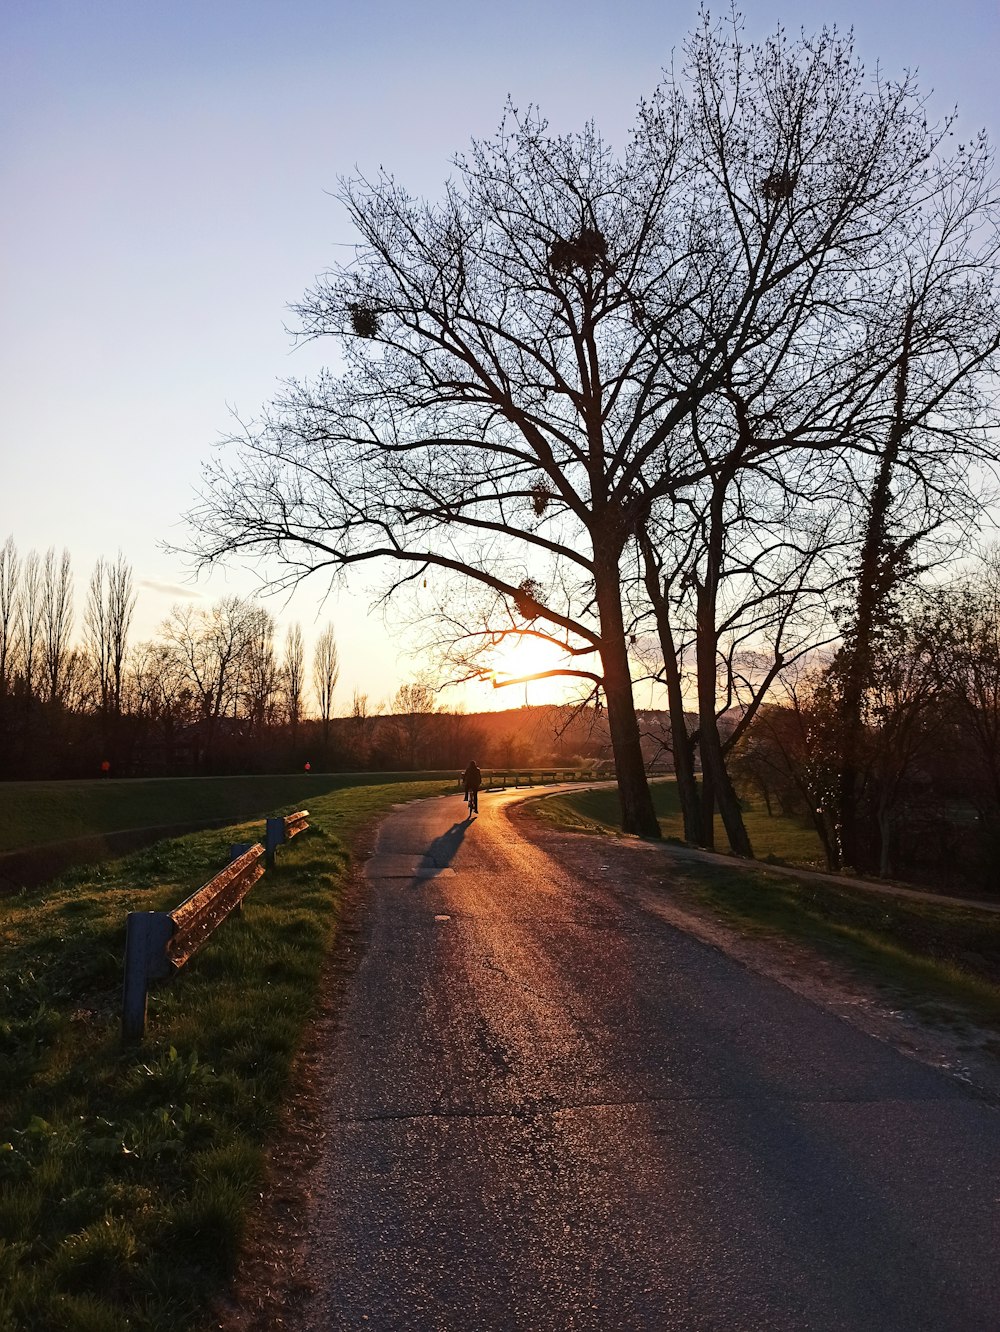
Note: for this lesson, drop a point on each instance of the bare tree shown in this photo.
(107, 620)
(31, 604)
(938, 332)
(157, 688)
(258, 673)
(524, 359)
(796, 745)
(904, 732)
(293, 676)
(871, 393)
(739, 579)
(413, 709)
(57, 619)
(326, 673)
(10, 570)
(363, 723)
(788, 754)
(210, 647)
(78, 686)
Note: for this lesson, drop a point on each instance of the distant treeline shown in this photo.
(215, 692)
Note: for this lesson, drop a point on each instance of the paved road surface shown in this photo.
(554, 1111)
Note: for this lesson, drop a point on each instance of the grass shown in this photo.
(780, 839)
(39, 812)
(931, 957)
(940, 960)
(126, 1175)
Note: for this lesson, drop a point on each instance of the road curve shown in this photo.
(551, 1110)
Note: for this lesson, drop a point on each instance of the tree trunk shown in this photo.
(714, 766)
(713, 761)
(857, 665)
(831, 844)
(706, 813)
(877, 578)
(638, 815)
(885, 839)
(680, 742)
(683, 755)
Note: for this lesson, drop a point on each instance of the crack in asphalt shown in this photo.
(527, 989)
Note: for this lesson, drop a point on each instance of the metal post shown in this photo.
(274, 836)
(147, 934)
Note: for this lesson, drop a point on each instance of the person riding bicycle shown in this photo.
(472, 780)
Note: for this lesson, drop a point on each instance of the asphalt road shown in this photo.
(551, 1110)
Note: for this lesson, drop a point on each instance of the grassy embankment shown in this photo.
(126, 1175)
(39, 812)
(941, 961)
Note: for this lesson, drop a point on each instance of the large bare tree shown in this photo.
(855, 420)
(523, 359)
(917, 489)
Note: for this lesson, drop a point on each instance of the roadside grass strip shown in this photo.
(934, 959)
(126, 1174)
(597, 810)
(941, 961)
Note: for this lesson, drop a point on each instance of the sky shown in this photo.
(166, 178)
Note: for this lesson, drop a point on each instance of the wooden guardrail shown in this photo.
(502, 778)
(282, 829)
(158, 943)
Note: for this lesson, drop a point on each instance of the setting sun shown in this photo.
(521, 657)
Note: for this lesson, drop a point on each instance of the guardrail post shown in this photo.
(147, 934)
(273, 837)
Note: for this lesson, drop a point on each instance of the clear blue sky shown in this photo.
(165, 169)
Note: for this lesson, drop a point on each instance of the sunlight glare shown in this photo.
(518, 657)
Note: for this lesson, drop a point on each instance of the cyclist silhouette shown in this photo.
(472, 780)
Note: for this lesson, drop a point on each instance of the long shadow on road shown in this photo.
(444, 848)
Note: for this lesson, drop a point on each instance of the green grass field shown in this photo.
(126, 1175)
(39, 812)
(597, 810)
(939, 960)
